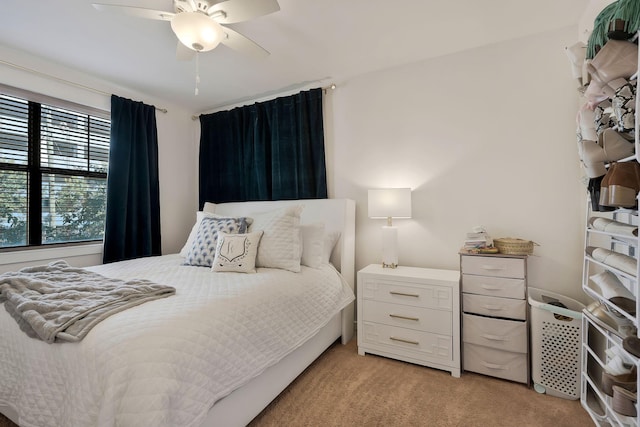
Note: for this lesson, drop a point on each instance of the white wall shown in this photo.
(177, 152)
(483, 137)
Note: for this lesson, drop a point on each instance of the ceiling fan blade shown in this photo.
(138, 12)
(183, 53)
(243, 44)
(241, 10)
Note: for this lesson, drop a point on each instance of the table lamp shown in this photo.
(389, 203)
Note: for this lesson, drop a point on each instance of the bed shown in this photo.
(154, 364)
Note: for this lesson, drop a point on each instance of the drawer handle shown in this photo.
(494, 337)
(492, 267)
(404, 294)
(397, 316)
(404, 340)
(494, 366)
(492, 307)
(491, 288)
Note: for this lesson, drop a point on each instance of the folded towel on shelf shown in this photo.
(624, 263)
(611, 226)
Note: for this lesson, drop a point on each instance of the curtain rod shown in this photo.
(39, 73)
(332, 86)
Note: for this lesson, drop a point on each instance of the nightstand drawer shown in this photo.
(406, 316)
(406, 341)
(494, 266)
(494, 306)
(427, 296)
(494, 286)
(497, 363)
(509, 335)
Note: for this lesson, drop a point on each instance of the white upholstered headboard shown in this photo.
(337, 215)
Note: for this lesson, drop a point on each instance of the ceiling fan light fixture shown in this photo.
(197, 31)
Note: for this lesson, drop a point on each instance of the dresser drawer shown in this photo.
(495, 306)
(509, 335)
(407, 316)
(497, 363)
(493, 286)
(405, 341)
(427, 296)
(494, 266)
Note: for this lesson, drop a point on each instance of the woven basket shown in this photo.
(513, 246)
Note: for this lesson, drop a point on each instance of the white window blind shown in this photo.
(53, 170)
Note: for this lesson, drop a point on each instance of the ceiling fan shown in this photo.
(200, 24)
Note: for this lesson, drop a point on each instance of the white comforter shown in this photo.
(166, 362)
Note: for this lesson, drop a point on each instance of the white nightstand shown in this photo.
(410, 314)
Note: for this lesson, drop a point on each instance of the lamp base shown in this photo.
(389, 246)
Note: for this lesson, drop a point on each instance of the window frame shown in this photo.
(34, 169)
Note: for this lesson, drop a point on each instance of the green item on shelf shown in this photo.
(599, 35)
(628, 13)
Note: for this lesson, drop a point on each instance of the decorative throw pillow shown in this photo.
(237, 252)
(312, 244)
(203, 250)
(194, 230)
(280, 246)
(209, 208)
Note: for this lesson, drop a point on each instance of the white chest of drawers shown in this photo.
(495, 330)
(410, 314)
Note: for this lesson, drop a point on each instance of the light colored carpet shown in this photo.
(342, 388)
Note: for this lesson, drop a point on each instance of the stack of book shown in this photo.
(478, 240)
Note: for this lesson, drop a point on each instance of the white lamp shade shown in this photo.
(390, 203)
(197, 31)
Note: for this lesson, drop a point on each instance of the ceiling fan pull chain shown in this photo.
(200, 25)
(197, 71)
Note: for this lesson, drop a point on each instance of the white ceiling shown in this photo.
(312, 42)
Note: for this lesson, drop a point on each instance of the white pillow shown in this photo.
(280, 246)
(203, 249)
(330, 240)
(237, 252)
(312, 244)
(209, 207)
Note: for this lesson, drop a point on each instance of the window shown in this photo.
(53, 170)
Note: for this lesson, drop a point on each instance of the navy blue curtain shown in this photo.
(132, 226)
(271, 150)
